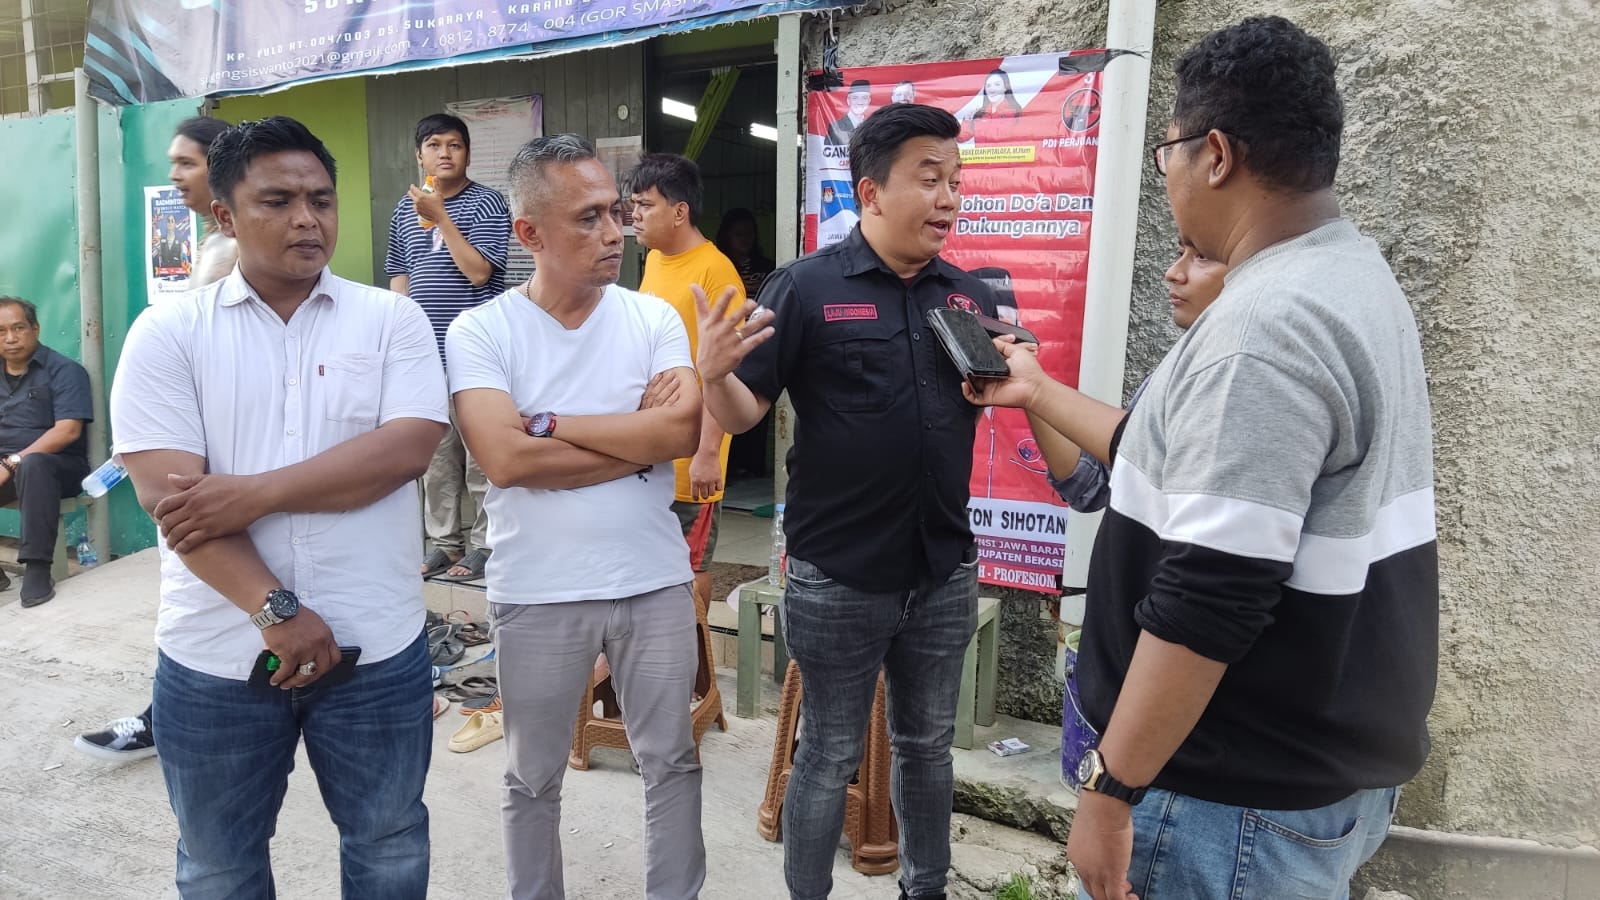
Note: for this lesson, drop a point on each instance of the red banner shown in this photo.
(1029, 138)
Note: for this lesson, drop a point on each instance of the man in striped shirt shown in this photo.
(447, 251)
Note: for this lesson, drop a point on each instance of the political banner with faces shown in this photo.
(1029, 138)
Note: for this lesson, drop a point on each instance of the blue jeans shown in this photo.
(841, 637)
(1195, 850)
(227, 750)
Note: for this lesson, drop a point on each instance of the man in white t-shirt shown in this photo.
(575, 396)
(273, 424)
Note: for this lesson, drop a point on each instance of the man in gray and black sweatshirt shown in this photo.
(1261, 637)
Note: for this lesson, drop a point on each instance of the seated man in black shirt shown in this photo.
(44, 453)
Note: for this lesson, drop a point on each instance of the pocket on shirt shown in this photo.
(354, 385)
(862, 355)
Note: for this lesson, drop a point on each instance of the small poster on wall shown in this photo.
(170, 235)
(500, 126)
(621, 155)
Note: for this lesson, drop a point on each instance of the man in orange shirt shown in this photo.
(667, 193)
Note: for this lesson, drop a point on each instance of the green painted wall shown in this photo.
(133, 154)
(41, 240)
(336, 112)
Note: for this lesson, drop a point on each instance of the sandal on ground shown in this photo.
(490, 703)
(472, 634)
(440, 705)
(437, 562)
(473, 562)
(473, 688)
(480, 730)
(443, 646)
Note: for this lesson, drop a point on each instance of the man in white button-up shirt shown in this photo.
(273, 424)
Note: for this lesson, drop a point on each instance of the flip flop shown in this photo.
(490, 703)
(473, 688)
(480, 730)
(472, 634)
(440, 705)
(435, 563)
(443, 646)
(473, 562)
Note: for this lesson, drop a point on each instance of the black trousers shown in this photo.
(41, 483)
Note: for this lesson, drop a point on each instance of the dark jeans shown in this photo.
(227, 750)
(841, 637)
(41, 483)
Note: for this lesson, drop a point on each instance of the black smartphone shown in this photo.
(970, 347)
(267, 665)
(997, 327)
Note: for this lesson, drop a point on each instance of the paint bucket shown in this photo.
(1077, 735)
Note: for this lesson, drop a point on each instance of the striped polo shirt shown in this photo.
(436, 284)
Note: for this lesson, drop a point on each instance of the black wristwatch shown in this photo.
(1092, 775)
(281, 606)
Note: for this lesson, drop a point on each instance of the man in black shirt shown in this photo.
(44, 452)
(882, 572)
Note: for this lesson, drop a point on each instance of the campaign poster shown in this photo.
(500, 126)
(170, 238)
(1029, 139)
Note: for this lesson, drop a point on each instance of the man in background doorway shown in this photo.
(447, 251)
(667, 195)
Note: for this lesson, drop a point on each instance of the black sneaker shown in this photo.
(124, 739)
(37, 585)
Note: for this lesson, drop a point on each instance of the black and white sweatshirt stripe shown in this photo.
(1272, 508)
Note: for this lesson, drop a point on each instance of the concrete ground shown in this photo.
(75, 827)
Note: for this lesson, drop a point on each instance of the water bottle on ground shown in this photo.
(87, 558)
(780, 556)
(104, 478)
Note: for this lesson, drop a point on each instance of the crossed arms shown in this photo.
(586, 450)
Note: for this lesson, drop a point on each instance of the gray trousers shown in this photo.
(545, 652)
(452, 473)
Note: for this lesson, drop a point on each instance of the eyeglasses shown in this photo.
(1159, 151)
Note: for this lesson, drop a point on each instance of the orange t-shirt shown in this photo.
(670, 277)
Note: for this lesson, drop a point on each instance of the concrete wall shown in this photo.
(1471, 151)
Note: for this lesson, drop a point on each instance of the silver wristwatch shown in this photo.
(281, 606)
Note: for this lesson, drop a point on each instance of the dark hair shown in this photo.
(233, 151)
(1011, 99)
(29, 311)
(739, 215)
(440, 123)
(676, 177)
(1269, 86)
(875, 144)
(860, 84)
(203, 130)
(526, 179)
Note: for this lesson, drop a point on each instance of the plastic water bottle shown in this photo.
(87, 558)
(104, 478)
(780, 555)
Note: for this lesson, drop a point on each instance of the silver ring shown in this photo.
(739, 332)
(309, 668)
